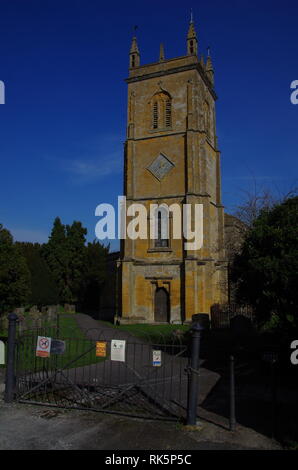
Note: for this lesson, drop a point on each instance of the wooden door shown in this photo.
(161, 306)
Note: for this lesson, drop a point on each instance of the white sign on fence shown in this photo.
(2, 353)
(156, 358)
(43, 346)
(118, 350)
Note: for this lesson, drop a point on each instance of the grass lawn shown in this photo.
(156, 333)
(79, 350)
(3, 331)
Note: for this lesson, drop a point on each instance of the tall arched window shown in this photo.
(162, 228)
(161, 111)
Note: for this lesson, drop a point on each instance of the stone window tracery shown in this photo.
(161, 111)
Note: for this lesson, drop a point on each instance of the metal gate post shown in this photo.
(193, 384)
(232, 395)
(273, 392)
(10, 367)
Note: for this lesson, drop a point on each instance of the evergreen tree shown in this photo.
(56, 255)
(75, 245)
(95, 274)
(44, 290)
(64, 254)
(14, 274)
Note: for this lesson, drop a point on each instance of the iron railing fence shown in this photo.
(253, 389)
(221, 315)
(80, 379)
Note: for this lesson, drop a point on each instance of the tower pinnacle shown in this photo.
(209, 68)
(161, 53)
(134, 55)
(192, 41)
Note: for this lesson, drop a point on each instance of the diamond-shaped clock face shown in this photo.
(160, 167)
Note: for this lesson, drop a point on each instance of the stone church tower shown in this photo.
(172, 157)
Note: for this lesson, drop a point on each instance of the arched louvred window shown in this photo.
(133, 61)
(155, 115)
(191, 47)
(161, 111)
(168, 113)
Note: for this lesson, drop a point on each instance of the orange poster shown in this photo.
(101, 348)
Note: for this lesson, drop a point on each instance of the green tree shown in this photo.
(75, 247)
(64, 254)
(95, 274)
(44, 290)
(56, 255)
(14, 274)
(266, 269)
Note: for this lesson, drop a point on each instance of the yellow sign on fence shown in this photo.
(101, 348)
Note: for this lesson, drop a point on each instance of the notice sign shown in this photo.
(118, 350)
(43, 346)
(57, 346)
(101, 348)
(156, 358)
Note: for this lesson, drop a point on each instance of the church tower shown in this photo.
(172, 157)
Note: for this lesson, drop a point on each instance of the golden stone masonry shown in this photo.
(172, 156)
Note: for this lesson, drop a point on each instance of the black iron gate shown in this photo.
(78, 378)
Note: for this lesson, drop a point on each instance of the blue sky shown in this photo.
(62, 128)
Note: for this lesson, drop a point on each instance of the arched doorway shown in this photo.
(161, 306)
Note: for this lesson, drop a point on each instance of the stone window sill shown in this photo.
(158, 250)
(166, 129)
